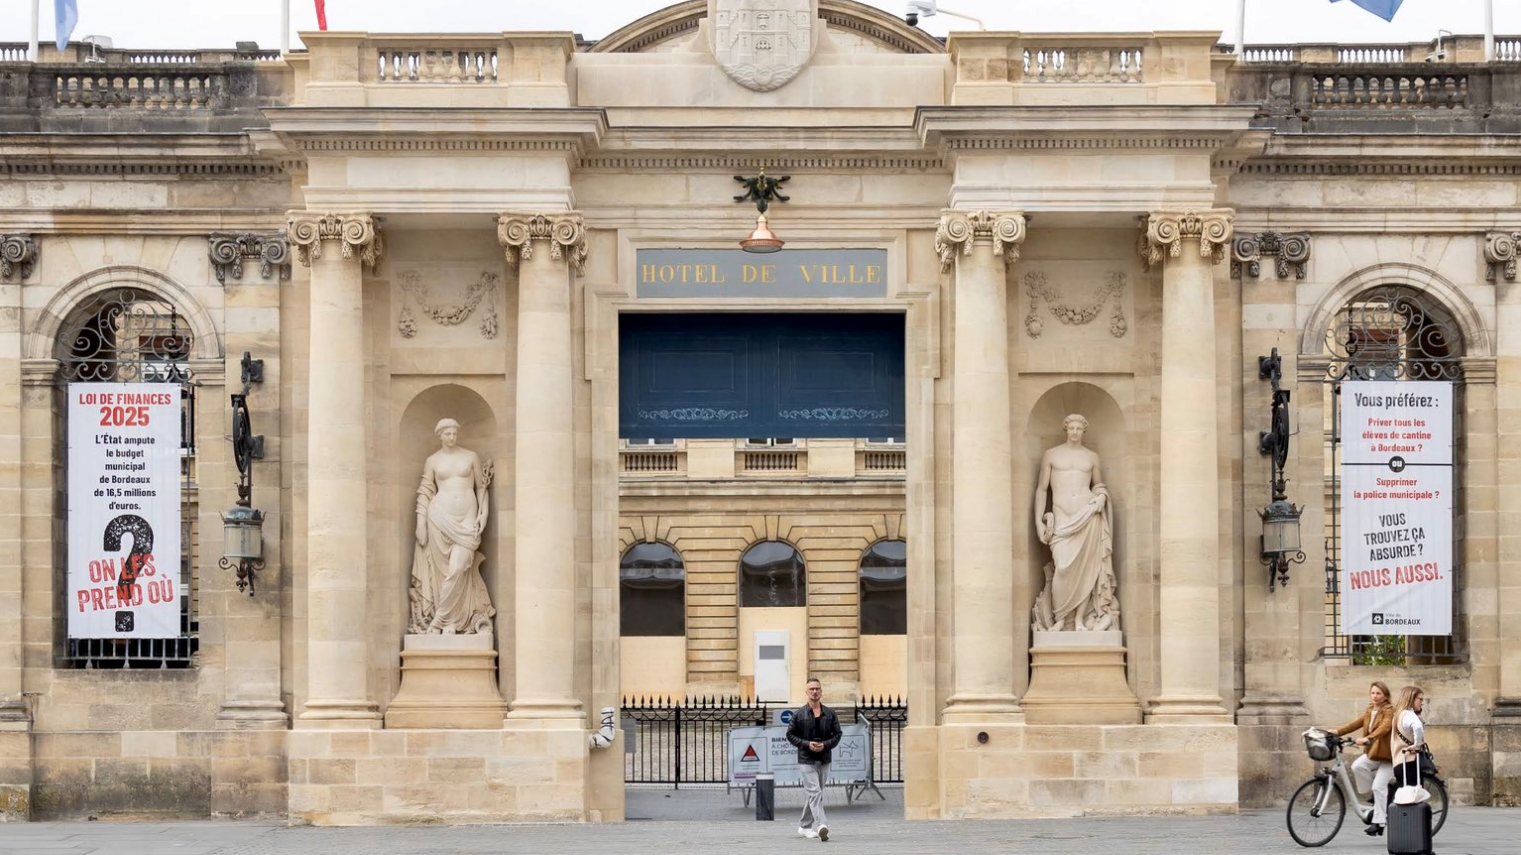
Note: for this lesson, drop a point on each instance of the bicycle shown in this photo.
(1321, 802)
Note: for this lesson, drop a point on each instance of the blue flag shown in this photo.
(1383, 8)
(65, 16)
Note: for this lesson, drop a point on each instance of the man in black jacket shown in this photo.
(815, 731)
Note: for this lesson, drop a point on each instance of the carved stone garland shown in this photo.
(1288, 251)
(17, 253)
(353, 232)
(1037, 289)
(1212, 229)
(444, 314)
(1500, 254)
(959, 231)
(565, 234)
(230, 250)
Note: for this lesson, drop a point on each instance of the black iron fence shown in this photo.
(674, 742)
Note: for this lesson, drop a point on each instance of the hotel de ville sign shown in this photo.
(763, 44)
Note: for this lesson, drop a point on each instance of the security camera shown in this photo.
(911, 18)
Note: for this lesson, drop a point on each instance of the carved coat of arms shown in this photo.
(763, 44)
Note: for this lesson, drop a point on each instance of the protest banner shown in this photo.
(124, 510)
(1396, 508)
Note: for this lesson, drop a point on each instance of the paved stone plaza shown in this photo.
(1472, 831)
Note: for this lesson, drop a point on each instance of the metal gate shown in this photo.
(127, 335)
(1390, 333)
(674, 743)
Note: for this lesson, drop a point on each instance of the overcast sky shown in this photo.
(219, 23)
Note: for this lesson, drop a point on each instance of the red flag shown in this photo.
(322, 15)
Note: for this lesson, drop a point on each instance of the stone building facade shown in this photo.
(404, 228)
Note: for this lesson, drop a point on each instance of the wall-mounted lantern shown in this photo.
(243, 526)
(762, 190)
(1280, 519)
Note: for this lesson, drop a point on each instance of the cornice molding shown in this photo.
(1083, 142)
(746, 161)
(960, 230)
(347, 144)
(1363, 166)
(116, 167)
(565, 233)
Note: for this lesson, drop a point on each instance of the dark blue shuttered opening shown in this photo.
(695, 376)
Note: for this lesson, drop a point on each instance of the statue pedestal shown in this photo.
(447, 681)
(1079, 678)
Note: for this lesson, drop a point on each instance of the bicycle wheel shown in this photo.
(1311, 828)
(1438, 803)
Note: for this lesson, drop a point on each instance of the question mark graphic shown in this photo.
(142, 547)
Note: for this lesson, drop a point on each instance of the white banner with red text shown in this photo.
(1396, 507)
(124, 510)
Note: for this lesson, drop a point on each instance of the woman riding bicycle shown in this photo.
(1375, 768)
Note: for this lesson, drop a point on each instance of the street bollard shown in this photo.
(765, 797)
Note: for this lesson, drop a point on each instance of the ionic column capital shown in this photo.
(1166, 232)
(565, 233)
(959, 230)
(354, 232)
(18, 253)
(1500, 255)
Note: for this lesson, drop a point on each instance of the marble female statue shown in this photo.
(1079, 529)
(448, 595)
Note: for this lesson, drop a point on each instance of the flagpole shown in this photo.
(31, 45)
(284, 27)
(1240, 29)
(1489, 30)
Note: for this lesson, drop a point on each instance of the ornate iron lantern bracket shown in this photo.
(242, 527)
(1280, 519)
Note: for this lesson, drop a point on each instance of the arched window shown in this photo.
(121, 336)
(1391, 333)
(652, 583)
(884, 589)
(772, 575)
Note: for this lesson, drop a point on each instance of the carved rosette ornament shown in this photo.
(1500, 253)
(18, 254)
(1288, 251)
(229, 251)
(958, 231)
(352, 232)
(564, 233)
(1167, 232)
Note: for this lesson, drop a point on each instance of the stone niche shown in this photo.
(446, 681)
(1079, 677)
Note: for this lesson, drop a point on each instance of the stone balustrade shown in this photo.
(1410, 97)
(1451, 49)
(411, 70)
(722, 459)
(1002, 68)
(460, 60)
(84, 52)
(153, 90)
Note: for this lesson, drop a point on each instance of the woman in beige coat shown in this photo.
(1375, 768)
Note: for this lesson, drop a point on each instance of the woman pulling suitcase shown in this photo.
(1409, 814)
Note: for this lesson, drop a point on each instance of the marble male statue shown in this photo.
(1079, 529)
(448, 595)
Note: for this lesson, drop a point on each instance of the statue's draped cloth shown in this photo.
(453, 603)
(1082, 549)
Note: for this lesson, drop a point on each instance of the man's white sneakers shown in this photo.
(807, 832)
(823, 834)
